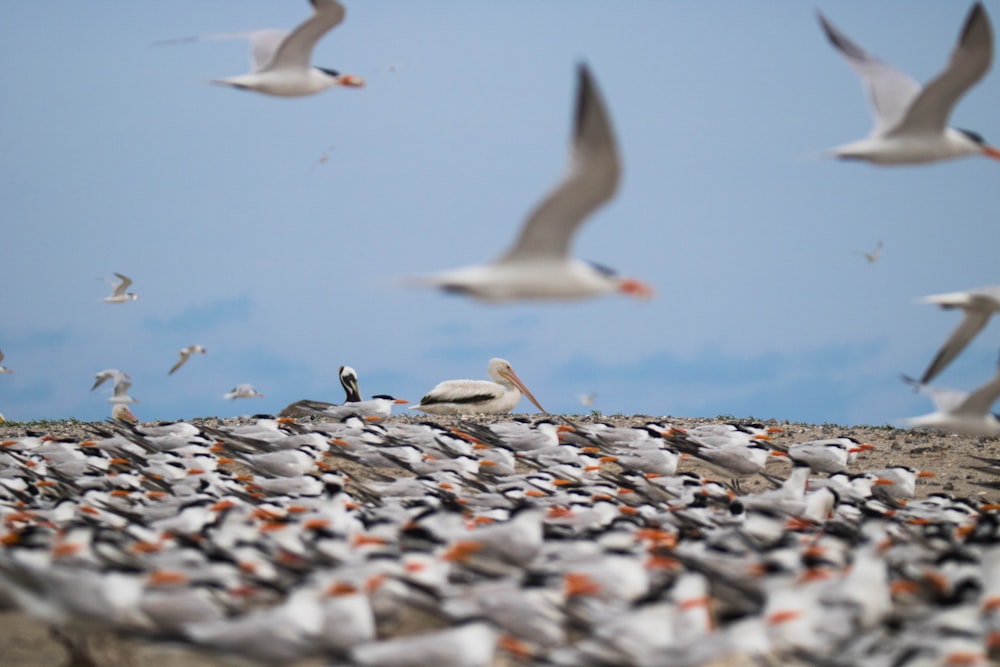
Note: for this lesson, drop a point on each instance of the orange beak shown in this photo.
(512, 376)
(352, 80)
(990, 151)
(636, 288)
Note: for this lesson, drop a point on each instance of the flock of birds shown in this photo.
(319, 532)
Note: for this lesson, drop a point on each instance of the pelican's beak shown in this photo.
(352, 80)
(636, 288)
(990, 151)
(512, 376)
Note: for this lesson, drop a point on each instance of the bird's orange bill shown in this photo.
(352, 80)
(990, 151)
(636, 288)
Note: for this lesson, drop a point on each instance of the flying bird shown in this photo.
(539, 266)
(959, 412)
(243, 391)
(3, 369)
(119, 295)
(281, 60)
(465, 397)
(978, 305)
(185, 355)
(873, 256)
(911, 121)
(116, 376)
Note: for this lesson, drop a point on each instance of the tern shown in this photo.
(113, 374)
(119, 295)
(978, 305)
(910, 120)
(959, 412)
(243, 391)
(185, 355)
(464, 397)
(538, 266)
(282, 60)
(3, 369)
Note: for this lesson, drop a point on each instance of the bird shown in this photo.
(185, 355)
(243, 391)
(121, 412)
(113, 374)
(538, 266)
(959, 412)
(911, 121)
(586, 400)
(282, 60)
(873, 256)
(119, 295)
(3, 369)
(978, 305)
(464, 397)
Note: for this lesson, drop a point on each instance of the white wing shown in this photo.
(890, 92)
(263, 45)
(969, 62)
(968, 328)
(594, 172)
(121, 286)
(295, 51)
(982, 399)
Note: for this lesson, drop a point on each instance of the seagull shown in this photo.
(538, 266)
(873, 256)
(281, 59)
(3, 369)
(959, 412)
(243, 391)
(119, 295)
(910, 120)
(185, 355)
(465, 397)
(978, 305)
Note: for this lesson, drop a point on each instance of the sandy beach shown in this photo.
(28, 643)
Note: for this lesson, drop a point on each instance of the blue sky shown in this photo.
(119, 156)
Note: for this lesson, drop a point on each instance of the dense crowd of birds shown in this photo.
(549, 542)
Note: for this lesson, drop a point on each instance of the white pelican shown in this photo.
(185, 355)
(539, 265)
(910, 120)
(465, 397)
(979, 305)
(121, 412)
(282, 60)
(119, 295)
(243, 391)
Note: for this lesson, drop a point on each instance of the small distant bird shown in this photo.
(119, 295)
(282, 60)
(243, 391)
(3, 369)
(113, 374)
(873, 256)
(910, 120)
(468, 397)
(978, 305)
(586, 400)
(185, 355)
(323, 159)
(539, 265)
